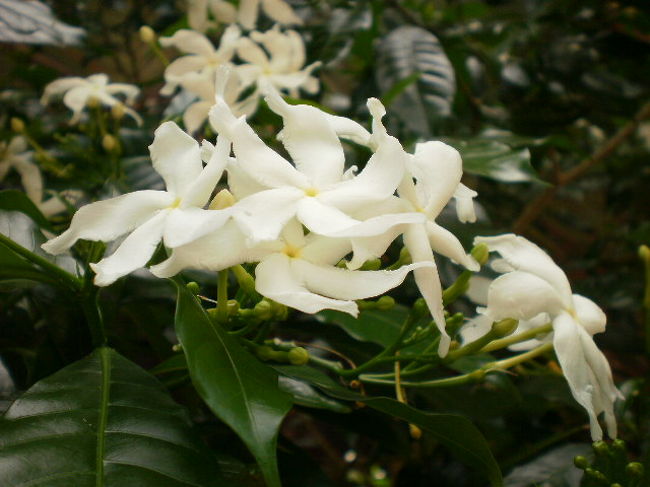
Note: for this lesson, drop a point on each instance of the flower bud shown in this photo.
(644, 250)
(223, 199)
(634, 469)
(233, 306)
(177, 347)
(193, 287)
(263, 310)
(264, 352)
(118, 111)
(595, 474)
(109, 143)
(481, 252)
(419, 308)
(147, 34)
(600, 448)
(17, 125)
(244, 279)
(415, 431)
(503, 328)
(581, 462)
(298, 356)
(385, 303)
(371, 265)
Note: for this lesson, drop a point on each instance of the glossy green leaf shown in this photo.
(13, 200)
(380, 327)
(496, 160)
(455, 432)
(407, 51)
(101, 421)
(240, 390)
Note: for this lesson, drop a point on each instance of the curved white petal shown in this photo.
(189, 224)
(247, 13)
(277, 279)
(464, 198)
(325, 250)
(587, 372)
(428, 280)
(475, 328)
(223, 11)
(241, 184)
(215, 251)
(30, 177)
(348, 129)
(60, 86)
(590, 316)
(323, 219)
(281, 12)
(444, 242)
(253, 155)
(195, 115)
(176, 156)
(75, 99)
(251, 53)
(203, 185)
(189, 41)
(106, 220)
(179, 68)
(133, 253)
(366, 248)
(522, 296)
(261, 216)
(345, 284)
(438, 169)
(525, 256)
(379, 225)
(129, 91)
(310, 140)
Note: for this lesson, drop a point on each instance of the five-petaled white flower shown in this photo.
(533, 285)
(224, 12)
(78, 92)
(150, 215)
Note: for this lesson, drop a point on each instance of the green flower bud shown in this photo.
(404, 256)
(177, 348)
(265, 352)
(385, 303)
(118, 111)
(581, 462)
(193, 287)
(601, 448)
(263, 310)
(644, 250)
(419, 307)
(233, 306)
(93, 102)
(371, 265)
(298, 356)
(223, 199)
(618, 444)
(595, 474)
(634, 469)
(17, 125)
(505, 327)
(481, 253)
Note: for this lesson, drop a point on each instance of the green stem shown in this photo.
(520, 337)
(92, 312)
(62, 276)
(644, 253)
(473, 376)
(222, 297)
(335, 367)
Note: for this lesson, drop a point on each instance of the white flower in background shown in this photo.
(78, 92)
(200, 57)
(198, 13)
(15, 155)
(151, 215)
(283, 66)
(533, 285)
(315, 191)
(296, 270)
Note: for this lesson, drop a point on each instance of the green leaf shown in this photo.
(455, 432)
(306, 395)
(496, 160)
(13, 200)
(403, 53)
(101, 421)
(240, 390)
(380, 327)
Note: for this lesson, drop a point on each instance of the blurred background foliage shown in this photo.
(549, 103)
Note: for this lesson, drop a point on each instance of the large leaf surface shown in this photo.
(240, 390)
(102, 421)
(403, 53)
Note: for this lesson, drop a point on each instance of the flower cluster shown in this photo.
(297, 221)
(273, 57)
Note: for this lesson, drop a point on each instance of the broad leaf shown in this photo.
(102, 421)
(404, 52)
(496, 160)
(240, 390)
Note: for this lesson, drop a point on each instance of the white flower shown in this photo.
(296, 270)
(224, 12)
(198, 10)
(201, 57)
(316, 191)
(174, 215)
(15, 155)
(77, 92)
(533, 285)
(282, 67)
(277, 10)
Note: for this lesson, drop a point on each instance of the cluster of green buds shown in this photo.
(611, 467)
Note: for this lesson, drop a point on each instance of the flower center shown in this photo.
(176, 203)
(311, 192)
(291, 251)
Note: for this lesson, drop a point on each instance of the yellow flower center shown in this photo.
(176, 203)
(311, 192)
(291, 251)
